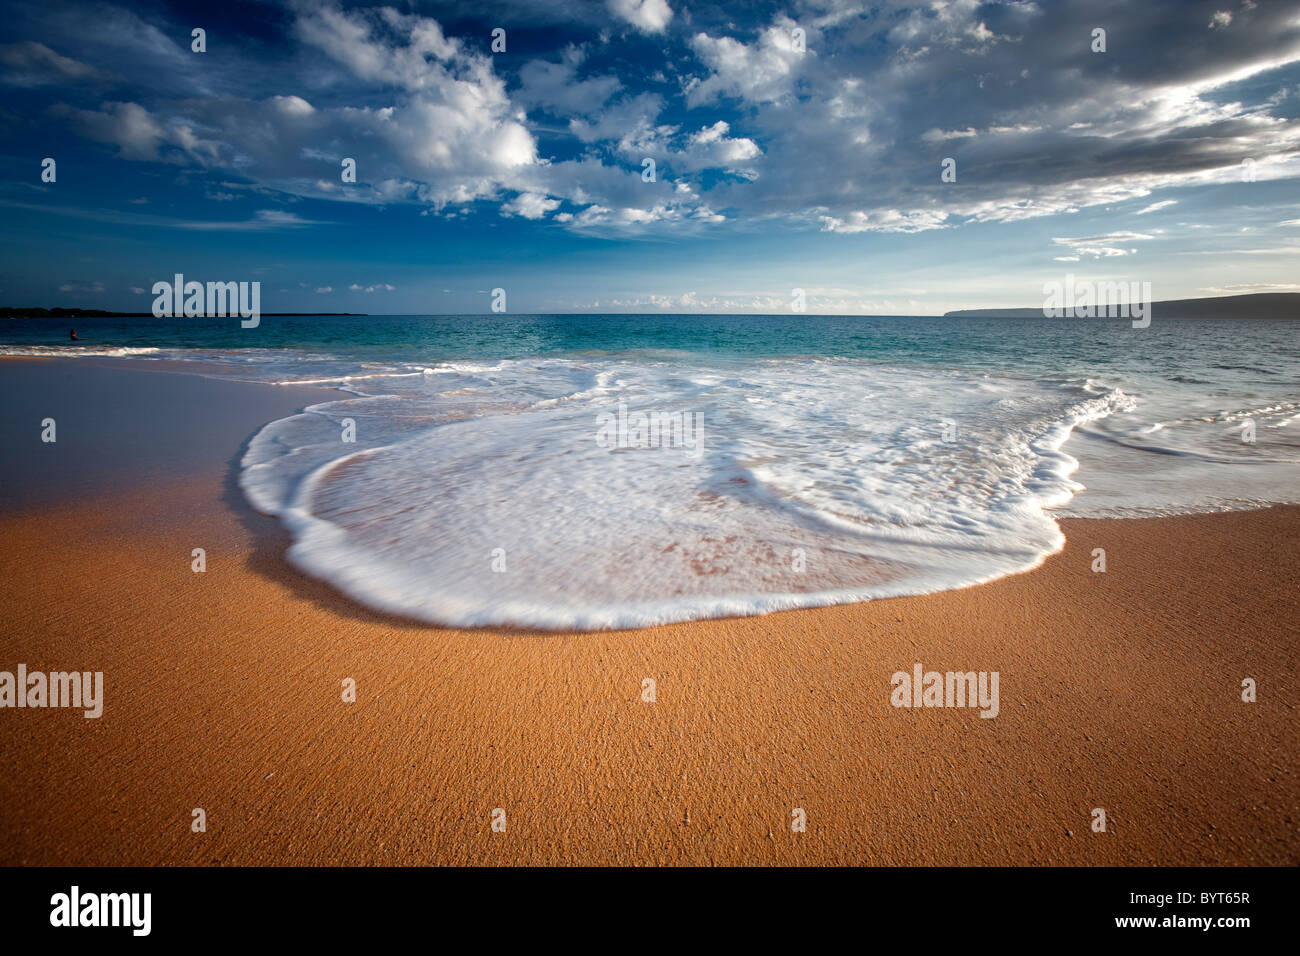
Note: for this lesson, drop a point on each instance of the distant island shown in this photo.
(1259, 305)
(12, 312)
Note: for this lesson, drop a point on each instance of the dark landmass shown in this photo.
(11, 312)
(1259, 305)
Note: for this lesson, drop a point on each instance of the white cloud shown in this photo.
(278, 217)
(763, 72)
(453, 131)
(939, 136)
(530, 206)
(1249, 287)
(885, 220)
(1102, 246)
(1156, 205)
(650, 16)
(712, 148)
(263, 220)
(293, 105)
(840, 136)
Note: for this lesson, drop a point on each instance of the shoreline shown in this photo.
(222, 692)
(169, 424)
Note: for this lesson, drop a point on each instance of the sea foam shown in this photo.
(478, 494)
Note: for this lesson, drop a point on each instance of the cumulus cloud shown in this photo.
(1038, 124)
(452, 123)
(761, 72)
(530, 206)
(712, 147)
(841, 127)
(651, 16)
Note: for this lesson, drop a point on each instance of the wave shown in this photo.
(482, 493)
(479, 492)
(76, 351)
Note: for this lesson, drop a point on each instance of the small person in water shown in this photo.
(72, 334)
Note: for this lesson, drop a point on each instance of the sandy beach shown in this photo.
(1118, 690)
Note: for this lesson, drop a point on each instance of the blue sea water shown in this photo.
(824, 459)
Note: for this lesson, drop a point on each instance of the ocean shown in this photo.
(606, 471)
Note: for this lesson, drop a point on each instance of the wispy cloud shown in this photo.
(263, 220)
(1163, 204)
(1101, 246)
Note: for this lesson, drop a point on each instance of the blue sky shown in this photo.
(796, 145)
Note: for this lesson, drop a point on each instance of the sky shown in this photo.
(797, 145)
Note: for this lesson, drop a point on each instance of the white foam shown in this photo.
(842, 460)
(841, 466)
(76, 351)
(1181, 451)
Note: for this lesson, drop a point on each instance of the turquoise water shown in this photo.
(513, 469)
(1055, 345)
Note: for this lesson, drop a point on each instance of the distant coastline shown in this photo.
(1258, 305)
(12, 312)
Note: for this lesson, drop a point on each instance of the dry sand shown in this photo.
(223, 692)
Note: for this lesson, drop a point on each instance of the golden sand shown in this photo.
(1119, 691)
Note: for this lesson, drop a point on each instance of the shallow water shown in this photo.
(822, 459)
